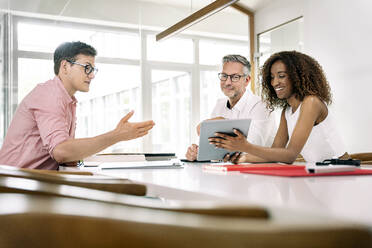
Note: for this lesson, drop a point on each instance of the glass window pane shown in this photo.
(283, 38)
(113, 93)
(45, 38)
(117, 45)
(32, 72)
(169, 50)
(3, 110)
(113, 78)
(210, 92)
(171, 110)
(211, 52)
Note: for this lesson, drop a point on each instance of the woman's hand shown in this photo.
(228, 142)
(236, 158)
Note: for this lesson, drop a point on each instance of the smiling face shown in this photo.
(280, 80)
(74, 74)
(234, 90)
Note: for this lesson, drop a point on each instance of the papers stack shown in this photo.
(133, 161)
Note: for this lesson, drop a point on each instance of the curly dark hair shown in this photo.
(305, 74)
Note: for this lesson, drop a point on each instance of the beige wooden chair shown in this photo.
(53, 172)
(35, 221)
(56, 172)
(123, 186)
(35, 187)
(299, 159)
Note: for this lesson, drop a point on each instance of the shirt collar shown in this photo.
(66, 96)
(241, 103)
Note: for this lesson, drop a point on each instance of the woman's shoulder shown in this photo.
(314, 106)
(313, 101)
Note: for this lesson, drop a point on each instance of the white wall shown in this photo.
(338, 34)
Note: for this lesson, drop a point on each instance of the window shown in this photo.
(32, 72)
(286, 37)
(210, 91)
(4, 110)
(113, 93)
(212, 51)
(169, 50)
(171, 97)
(159, 86)
(42, 37)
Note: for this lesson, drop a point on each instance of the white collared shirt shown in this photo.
(263, 128)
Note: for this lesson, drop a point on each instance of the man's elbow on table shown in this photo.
(60, 154)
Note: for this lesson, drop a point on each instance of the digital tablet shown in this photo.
(209, 128)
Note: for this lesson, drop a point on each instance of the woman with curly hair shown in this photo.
(296, 83)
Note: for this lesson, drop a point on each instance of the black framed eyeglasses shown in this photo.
(233, 77)
(88, 69)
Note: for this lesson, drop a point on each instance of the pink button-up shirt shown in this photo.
(45, 118)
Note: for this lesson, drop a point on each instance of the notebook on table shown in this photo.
(301, 172)
(167, 164)
(112, 158)
(276, 169)
(250, 167)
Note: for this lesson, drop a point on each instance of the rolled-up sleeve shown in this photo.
(51, 118)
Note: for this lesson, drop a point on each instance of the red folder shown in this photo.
(283, 172)
(249, 167)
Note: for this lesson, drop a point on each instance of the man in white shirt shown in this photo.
(241, 104)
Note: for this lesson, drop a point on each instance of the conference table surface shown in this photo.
(345, 197)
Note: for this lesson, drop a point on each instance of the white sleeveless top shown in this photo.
(324, 141)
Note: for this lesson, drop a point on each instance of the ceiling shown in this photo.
(57, 6)
(197, 4)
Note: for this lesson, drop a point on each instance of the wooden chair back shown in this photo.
(123, 186)
(34, 221)
(35, 187)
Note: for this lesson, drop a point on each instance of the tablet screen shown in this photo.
(209, 128)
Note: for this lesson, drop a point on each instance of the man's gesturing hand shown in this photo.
(132, 130)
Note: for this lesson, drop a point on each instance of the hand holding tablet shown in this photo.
(225, 128)
(229, 141)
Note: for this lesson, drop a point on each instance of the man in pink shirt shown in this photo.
(41, 134)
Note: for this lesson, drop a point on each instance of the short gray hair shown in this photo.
(239, 59)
